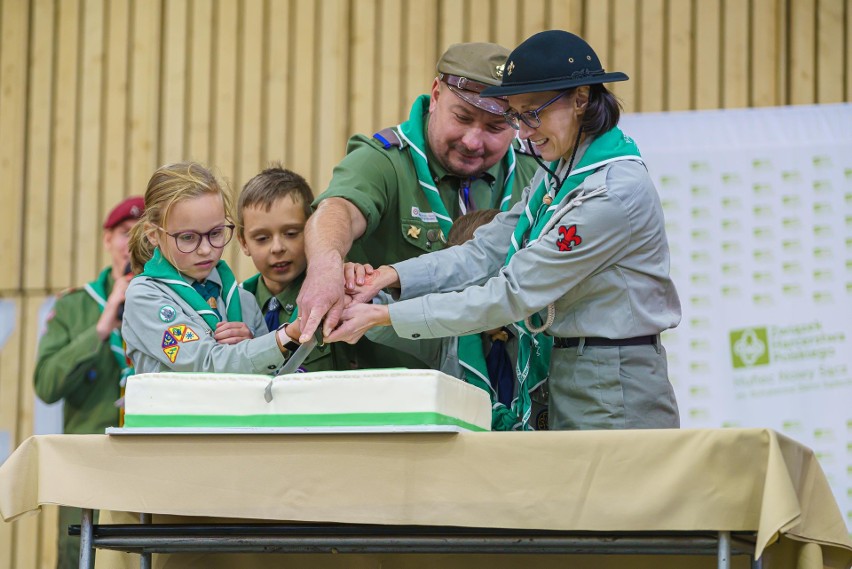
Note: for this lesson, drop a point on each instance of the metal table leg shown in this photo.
(145, 558)
(87, 551)
(724, 555)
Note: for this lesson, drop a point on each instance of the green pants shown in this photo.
(611, 387)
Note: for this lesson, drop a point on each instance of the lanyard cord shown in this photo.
(551, 172)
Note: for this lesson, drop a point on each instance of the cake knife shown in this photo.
(292, 364)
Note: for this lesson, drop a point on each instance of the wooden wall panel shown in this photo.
(735, 61)
(707, 68)
(95, 94)
(37, 190)
(830, 51)
(765, 52)
(88, 212)
(802, 75)
(115, 132)
(64, 172)
(650, 97)
(14, 29)
(623, 54)
(199, 90)
(680, 68)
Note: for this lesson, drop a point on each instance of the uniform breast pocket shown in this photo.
(426, 236)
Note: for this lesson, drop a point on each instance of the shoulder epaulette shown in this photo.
(67, 291)
(389, 138)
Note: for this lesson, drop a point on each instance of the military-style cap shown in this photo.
(469, 68)
(554, 60)
(130, 208)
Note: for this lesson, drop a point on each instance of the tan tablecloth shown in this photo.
(666, 480)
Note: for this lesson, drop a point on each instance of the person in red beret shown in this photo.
(81, 356)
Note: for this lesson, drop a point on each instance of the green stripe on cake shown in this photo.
(328, 420)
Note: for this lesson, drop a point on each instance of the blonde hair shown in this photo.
(169, 185)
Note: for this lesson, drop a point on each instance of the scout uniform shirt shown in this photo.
(163, 333)
(605, 265)
(383, 185)
(75, 365)
(323, 357)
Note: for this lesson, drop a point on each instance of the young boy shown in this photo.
(271, 215)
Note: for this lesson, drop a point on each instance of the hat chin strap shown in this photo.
(553, 174)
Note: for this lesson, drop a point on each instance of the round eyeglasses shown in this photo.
(189, 241)
(530, 118)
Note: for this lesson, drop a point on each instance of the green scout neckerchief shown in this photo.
(97, 290)
(161, 269)
(534, 349)
(471, 357)
(472, 361)
(250, 284)
(412, 132)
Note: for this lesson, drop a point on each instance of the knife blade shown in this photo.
(292, 364)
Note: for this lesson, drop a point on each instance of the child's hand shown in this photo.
(357, 319)
(355, 274)
(232, 332)
(370, 283)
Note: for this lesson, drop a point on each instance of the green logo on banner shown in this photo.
(749, 347)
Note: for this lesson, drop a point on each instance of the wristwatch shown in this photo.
(291, 346)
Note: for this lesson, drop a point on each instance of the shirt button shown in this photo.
(415, 335)
(271, 367)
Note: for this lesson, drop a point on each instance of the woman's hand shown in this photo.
(355, 274)
(357, 319)
(232, 332)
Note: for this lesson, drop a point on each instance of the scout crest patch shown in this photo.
(167, 313)
(568, 238)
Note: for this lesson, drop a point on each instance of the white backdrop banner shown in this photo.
(758, 207)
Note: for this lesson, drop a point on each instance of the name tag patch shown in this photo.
(425, 216)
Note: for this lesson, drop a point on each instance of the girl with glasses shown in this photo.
(579, 267)
(185, 311)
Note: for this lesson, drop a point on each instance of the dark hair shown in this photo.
(463, 228)
(271, 185)
(602, 111)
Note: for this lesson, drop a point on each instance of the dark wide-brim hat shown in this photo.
(554, 60)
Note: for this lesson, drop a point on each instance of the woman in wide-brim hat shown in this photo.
(581, 264)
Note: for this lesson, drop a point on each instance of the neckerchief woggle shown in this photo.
(97, 290)
(412, 132)
(250, 284)
(534, 350)
(471, 357)
(160, 269)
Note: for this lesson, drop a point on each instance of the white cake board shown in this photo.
(282, 430)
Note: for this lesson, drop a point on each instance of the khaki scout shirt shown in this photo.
(75, 365)
(324, 357)
(152, 310)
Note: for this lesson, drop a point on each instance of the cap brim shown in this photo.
(551, 85)
(489, 104)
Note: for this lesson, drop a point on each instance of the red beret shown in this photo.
(130, 208)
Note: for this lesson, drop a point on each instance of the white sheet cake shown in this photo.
(362, 400)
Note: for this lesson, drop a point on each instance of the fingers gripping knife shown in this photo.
(292, 364)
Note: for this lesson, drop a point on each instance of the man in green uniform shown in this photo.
(395, 195)
(80, 356)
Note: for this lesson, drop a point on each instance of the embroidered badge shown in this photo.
(171, 352)
(167, 313)
(177, 331)
(541, 421)
(189, 335)
(569, 238)
(168, 339)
